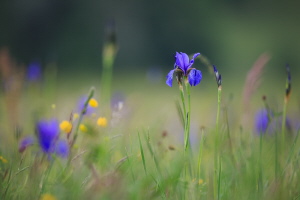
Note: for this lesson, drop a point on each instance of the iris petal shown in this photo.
(170, 78)
(48, 132)
(193, 59)
(62, 148)
(179, 60)
(261, 121)
(194, 77)
(186, 61)
(25, 142)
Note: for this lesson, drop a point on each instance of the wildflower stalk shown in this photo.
(188, 117)
(108, 56)
(219, 178)
(286, 99)
(260, 181)
(83, 111)
(217, 136)
(183, 103)
(276, 155)
(45, 179)
(200, 152)
(291, 153)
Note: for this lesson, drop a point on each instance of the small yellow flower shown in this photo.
(65, 126)
(48, 197)
(3, 159)
(93, 103)
(53, 106)
(102, 121)
(83, 128)
(75, 116)
(200, 181)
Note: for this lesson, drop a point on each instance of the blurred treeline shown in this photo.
(232, 34)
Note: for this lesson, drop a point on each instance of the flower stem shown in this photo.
(83, 111)
(283, 123)
(260, 179)
(216, 154)
(183, 104)
(188, 118)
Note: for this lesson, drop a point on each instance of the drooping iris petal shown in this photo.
(48, 132)
(169, 77)
(261, 121)
(25, 142)
(194, 77)
(62, 148)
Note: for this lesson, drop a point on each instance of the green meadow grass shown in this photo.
(141, 156)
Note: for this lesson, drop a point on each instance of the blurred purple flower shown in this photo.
(25, 142)
(276, 124)
(261, 121)
(34, 72)
(62, 148)
(80, 106)
(182, 68)
(48, 132)
(117, 101)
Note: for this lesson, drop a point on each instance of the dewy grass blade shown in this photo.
(147, 138)
(130, 165)
(142, 154)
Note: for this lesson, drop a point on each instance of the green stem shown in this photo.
(260, 181)
(83, 111)
(188, 117)
(219, 178)
(183, 104)
(283, 124)
(45, 180)
(276, 155)
(216, 153)
(108, 56)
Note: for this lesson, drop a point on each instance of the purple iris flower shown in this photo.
(62, 148)
(34, 72)
(261, 121)
(183, 68)
(25, 142)
(48, 133)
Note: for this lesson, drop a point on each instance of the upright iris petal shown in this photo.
(48, 132)
(194, 77)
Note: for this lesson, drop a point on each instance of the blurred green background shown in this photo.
(232, 34)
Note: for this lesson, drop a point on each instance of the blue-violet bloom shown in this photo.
(48, 133)
(218, 76)
(62, 148)
(183, 68)
(261, 121)
(26, 142)
(34, 72)
(80, 106)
